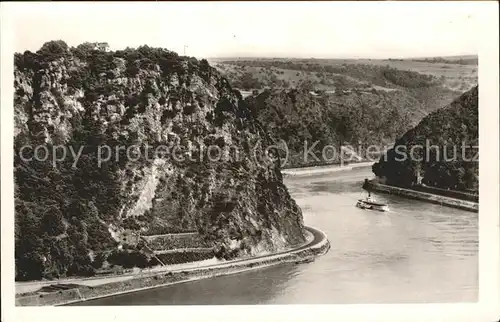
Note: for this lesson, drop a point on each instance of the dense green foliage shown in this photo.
(440, 60)
(61, 211)
(70, 220)
(359, 119)
(246, 81)
(377, 75)
(449, 141)
(359, 104)
(430, 92)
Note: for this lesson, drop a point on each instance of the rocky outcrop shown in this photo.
(166, 146)
(442, 151)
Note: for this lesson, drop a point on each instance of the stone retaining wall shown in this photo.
(424, 196)
(175, 241)
(166, 278)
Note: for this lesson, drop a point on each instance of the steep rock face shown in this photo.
(165, 146)
(442, 149)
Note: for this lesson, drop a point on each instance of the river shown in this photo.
(415, 253)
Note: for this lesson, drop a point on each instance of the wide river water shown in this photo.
(416, 252)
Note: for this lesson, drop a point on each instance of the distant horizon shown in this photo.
(228, 57)
(264, 56)
(463, 56)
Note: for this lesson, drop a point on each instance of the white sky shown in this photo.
(268, 29)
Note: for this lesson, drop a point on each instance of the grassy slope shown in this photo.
(455, 76)
(409, 96)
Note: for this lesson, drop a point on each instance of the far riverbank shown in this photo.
(325, 168)
(422, 196)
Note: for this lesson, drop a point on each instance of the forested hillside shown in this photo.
(71, 214)
(442, 148)
(360, 119)
(335, 102)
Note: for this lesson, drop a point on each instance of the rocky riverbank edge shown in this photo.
(325, 168)
(159, 279)
(423, 196)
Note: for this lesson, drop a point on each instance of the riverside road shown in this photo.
(21, 287)
(417, 252)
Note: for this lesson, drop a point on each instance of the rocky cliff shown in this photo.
(141, 141)
(441, 151)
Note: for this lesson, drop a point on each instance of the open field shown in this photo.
(455, 76)
(269, 72)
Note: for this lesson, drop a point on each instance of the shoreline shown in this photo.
(325, 168)
(305, 252)
(422, 196)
